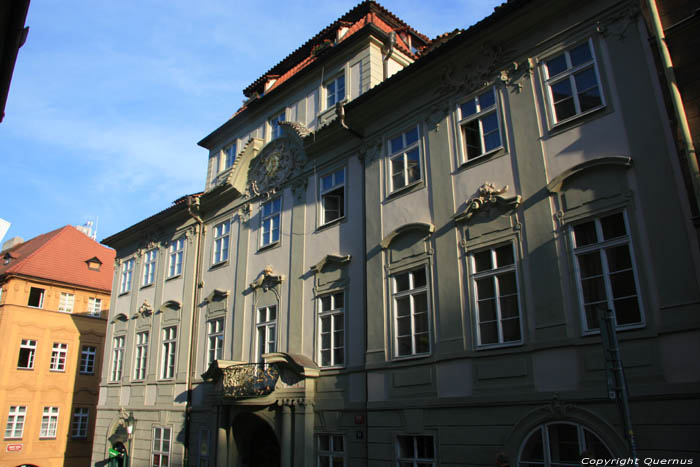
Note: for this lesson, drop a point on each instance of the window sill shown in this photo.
(47, 438)
(628, 327)
(56, 371)
(25, 369)
(147, 286)
(173, 277)
(330, 224)
(496, 346)
(577, 120)
(86, 374)
(219, 265)
(124, 293)
(488, 156)
(269, 246)
(404, 190)
(410, 357)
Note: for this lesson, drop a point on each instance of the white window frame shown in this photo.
(337, 183)
(30, 345)
(222, 235)
(66, 302)
(412, 292)
(495, 273)
(168, 352)
(88, 354)
(265, 331)
(42, 296)
(150, 260)
(274, 123)
(332, 97)
(175, 256)
(415, 460)
(49, 423)
(267, 222)
(126, 276)
(479, 116)
(229, 153)
(402, 154)
(59, 354)
(94, 306)
(215, 339)
(158, 446)
(335, 316)
(333, 453)
(568, 74)
(141, 355)
(600, 246)
(16, 417)
(80, 423)
(117, 358)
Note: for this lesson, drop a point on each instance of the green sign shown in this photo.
(114, 453)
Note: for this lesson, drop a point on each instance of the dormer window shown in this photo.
(341, 32)
(229, 155)
(335, 90)
(270, 81)
(94, 263)
(275, 128)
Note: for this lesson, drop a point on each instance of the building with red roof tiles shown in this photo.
(54, 303)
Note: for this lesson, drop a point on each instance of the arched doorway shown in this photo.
(256, 442)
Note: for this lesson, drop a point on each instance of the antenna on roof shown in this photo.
(89, 228)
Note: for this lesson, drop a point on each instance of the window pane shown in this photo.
(489, 333)
(506, 283)
(585, 79)
(485, 288)
(396, 144)
(401, 282)
(623, 284)
(511, 330)
(589, 99)
(590, 265)
(468, 108)
(504, 255)
(613, 226)
(420, 303)
(509, 306)
(472, 139)
(627, 311)
(404, 345)
(593, 289)
(533, 448)
(580, 54)
(338, 299)
(419, 278)
(482, 261)
(406, 446)
(411, 136)
(556, 65)
(563, 443)
(403, 306)
(585, 234)
(424, 445)
(413, 165)
(487, 310)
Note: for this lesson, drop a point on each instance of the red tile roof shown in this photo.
(61, 255)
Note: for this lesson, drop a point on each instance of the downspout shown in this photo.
(387, 52)
(340, 113)
(688, 148)
(192, 210)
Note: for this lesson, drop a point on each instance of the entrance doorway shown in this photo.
(256, 441)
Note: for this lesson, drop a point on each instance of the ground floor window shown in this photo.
(331, 450)
(161, 447)
(415, 451)
(561, 444)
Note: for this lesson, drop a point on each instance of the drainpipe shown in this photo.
(340, 113)
(192, 205)
(676, 100)
(388, 51)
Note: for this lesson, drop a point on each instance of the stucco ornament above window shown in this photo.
(489, 197)
(144, 310)
(267, 279)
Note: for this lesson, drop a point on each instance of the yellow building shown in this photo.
(54, 295)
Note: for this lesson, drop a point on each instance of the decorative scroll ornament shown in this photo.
(471, 74)
(513, 74)
(145, 310)
(488, 197)
(267, 280)
(556, 408)
(278, 161)
(249, 380)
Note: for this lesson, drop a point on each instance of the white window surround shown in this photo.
(150, 259)
(334, 90)
(126, 276)
(332, 195)
(330, 449)
(606, 271)
(221, 242)
(175, 254)
(141, 355)
(480, 125)
(496, 295)
(168, 355)
(87, 360)
(94, 306)
(331, 330)
(229, 154)
(415, 451)
(66, 302)
(49, 422)
(27, 353)
(160, 454)
(215, 339)
(59, 353)
(14, 429)
(411, 312)
(561, 443)
(274, 123)
(117, 358)
(266, 331)
(270, 220)
(404, 159)
(79, 424)
(572, 83)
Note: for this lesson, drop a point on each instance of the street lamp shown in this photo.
(129, 431)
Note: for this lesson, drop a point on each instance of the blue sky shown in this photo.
(109, 98)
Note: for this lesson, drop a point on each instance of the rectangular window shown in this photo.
(27, 352)
(161, 447)
(572, 82)
(415, 451)
(335, 91)
(605, 270)
(215, 339)
(141, 355)
(404, 159)
(49, 422)
(167, 367)
(66, 302)
(411, 313)
(94, 306)
(479, 125)
(36, 297)
(331, 450)
(79, 424)
(15, 422)
(275, 128)
(229, 155)
(58, 357)
(332, 196)
(117, 358)
(87, 360)
(204, 447)
(497, 308)
(221, 240)
(266, 323)
(127, 272)
(175, 251)
(149, 266)
(270, 215)
(331, 330)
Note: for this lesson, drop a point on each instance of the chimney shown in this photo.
(14, 241)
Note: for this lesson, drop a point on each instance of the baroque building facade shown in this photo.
(401, 253)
